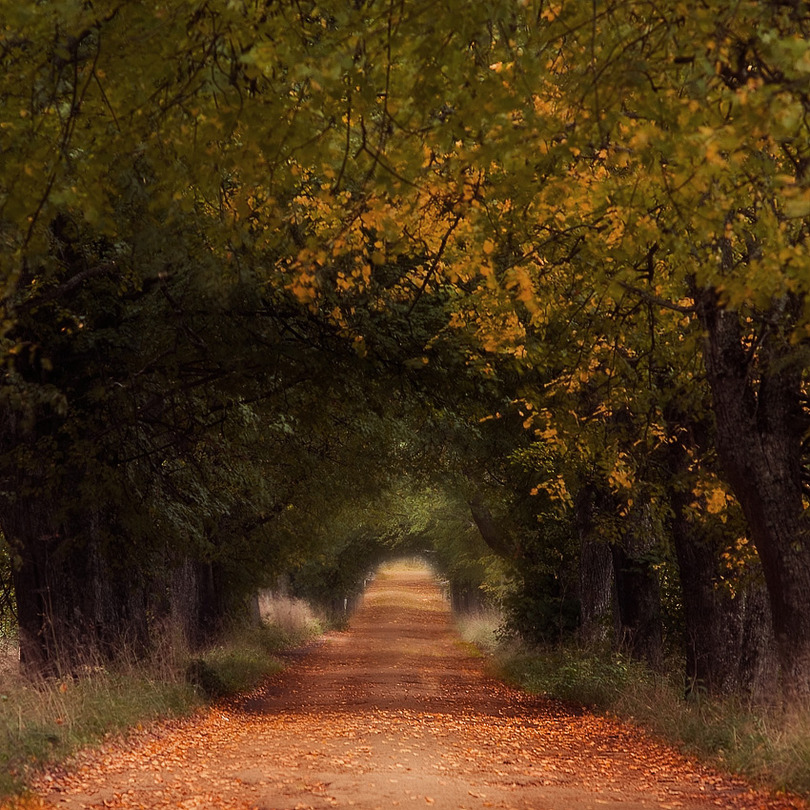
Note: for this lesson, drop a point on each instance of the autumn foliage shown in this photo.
(277, 274)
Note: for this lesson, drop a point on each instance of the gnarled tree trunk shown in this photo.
(760, 428)
(728, 639)
(493, 534)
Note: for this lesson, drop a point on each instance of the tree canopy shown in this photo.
(270, 267)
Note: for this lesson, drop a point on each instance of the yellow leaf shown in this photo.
(716, 501)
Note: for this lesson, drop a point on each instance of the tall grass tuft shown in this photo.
(292, 620)
(480, 628)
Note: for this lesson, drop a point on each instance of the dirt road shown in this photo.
(394, 712)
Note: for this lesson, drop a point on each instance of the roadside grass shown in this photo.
(44, 721)
(287, 622)
(480, 628)
(767, 743)
(245, 657)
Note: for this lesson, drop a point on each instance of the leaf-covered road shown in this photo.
(393, 713)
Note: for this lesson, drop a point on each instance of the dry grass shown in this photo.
(769, 744)
(45, 720)
(293, 618)
(480, 628)
(9, 657)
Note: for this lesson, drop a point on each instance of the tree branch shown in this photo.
(654, 299)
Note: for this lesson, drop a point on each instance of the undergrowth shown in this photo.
(43, 721)
(768, 744)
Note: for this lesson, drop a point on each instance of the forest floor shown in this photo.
(394, 712)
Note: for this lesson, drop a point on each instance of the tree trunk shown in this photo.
(465, 598)
(493, 535)
(757, 667)
(74, 606)
(760, 428)
(42, 576)
(197, 602)
(595, 571)
(31, 596)
(727, 635)
(638, 595)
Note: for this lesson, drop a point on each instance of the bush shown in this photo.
(598, 681)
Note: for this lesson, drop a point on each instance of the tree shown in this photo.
(137, 266)
(562, 213)
(659, 158)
